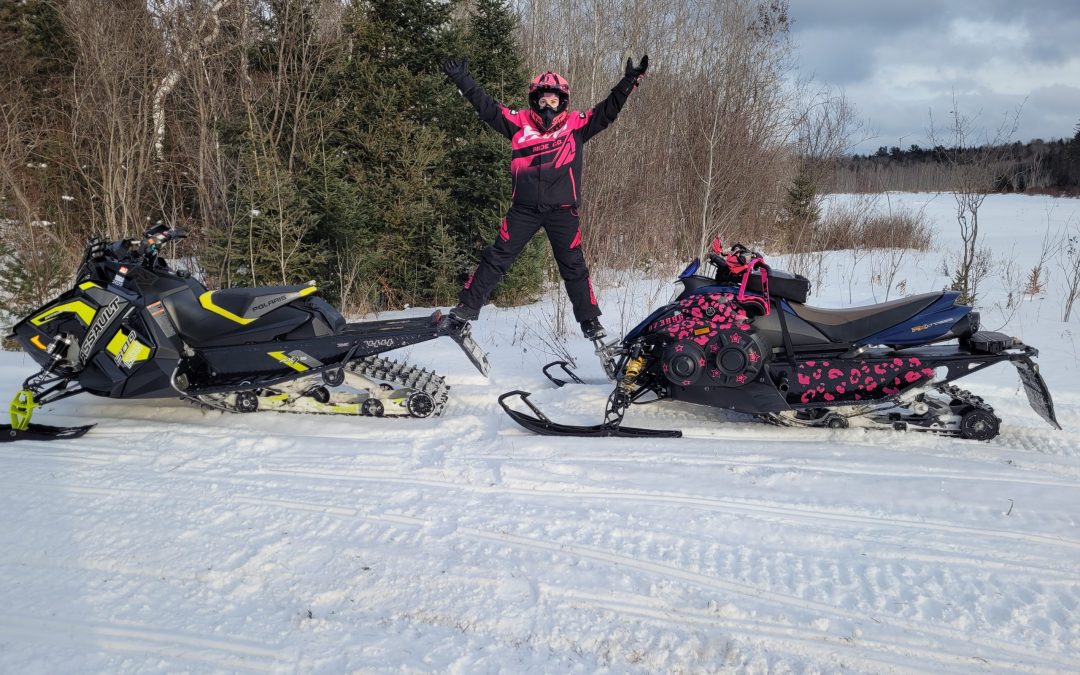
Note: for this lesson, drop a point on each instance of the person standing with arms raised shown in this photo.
(545, 165)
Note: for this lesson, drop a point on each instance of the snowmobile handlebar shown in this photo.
(160, 234)
(741, 258)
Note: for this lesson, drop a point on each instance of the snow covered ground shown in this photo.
(171, 539)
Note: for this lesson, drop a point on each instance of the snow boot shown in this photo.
(593, 329)
(462, 313)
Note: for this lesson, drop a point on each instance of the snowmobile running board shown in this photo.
(542, 425)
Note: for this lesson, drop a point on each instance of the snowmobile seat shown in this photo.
(245, 305)
(852, 324)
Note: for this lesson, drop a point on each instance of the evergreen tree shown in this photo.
(273, 144)
(414, 183)
(388, 202)
(38, 58)
(269, 242)
(800, 212)
(34, 46)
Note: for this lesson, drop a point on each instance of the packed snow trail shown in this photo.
(171, 538)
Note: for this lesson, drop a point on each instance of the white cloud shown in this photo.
(896, 63)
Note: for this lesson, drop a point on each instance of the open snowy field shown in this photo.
(170, 539)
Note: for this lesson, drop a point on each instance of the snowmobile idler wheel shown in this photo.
(420, 404)
(979, 425)
(372, 407)
(333, 378)
(834, 421)
(320, 394)
(246, 402)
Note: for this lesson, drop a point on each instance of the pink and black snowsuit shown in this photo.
(546, 172)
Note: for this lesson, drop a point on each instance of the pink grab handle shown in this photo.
(743, 297)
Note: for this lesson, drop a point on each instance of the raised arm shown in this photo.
(491, 112)
(605, 112)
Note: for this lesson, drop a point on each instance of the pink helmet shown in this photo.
(548, 82)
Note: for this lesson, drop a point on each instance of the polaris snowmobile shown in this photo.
(132, 327)
(740, 337)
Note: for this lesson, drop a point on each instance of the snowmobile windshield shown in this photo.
(690, 269)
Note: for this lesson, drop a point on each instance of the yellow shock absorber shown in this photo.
(22, 409)
(633, 369)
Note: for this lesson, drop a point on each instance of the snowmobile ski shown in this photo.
(565, 366)
(541, 424)
(22, 429)
(42, 432)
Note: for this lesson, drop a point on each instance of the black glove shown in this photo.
(638, 70)
(95, 247)
(455, 68)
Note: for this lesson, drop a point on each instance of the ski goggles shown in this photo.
(548, 100)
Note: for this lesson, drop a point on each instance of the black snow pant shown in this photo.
(516, 229)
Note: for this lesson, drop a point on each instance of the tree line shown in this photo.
(1038, 166)
(319, 139)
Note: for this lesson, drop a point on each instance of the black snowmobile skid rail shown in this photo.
(542, 425)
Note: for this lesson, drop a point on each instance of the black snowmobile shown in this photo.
(134, 328)
(739, 337)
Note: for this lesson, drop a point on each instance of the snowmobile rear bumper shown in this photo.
(542, 425)
(1038, 394)
(1020, 355)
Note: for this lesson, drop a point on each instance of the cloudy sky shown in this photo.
(897, 60)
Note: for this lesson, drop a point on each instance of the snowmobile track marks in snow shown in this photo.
(762, 508)
(817, 608)
(245, 655)
(780, 635)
